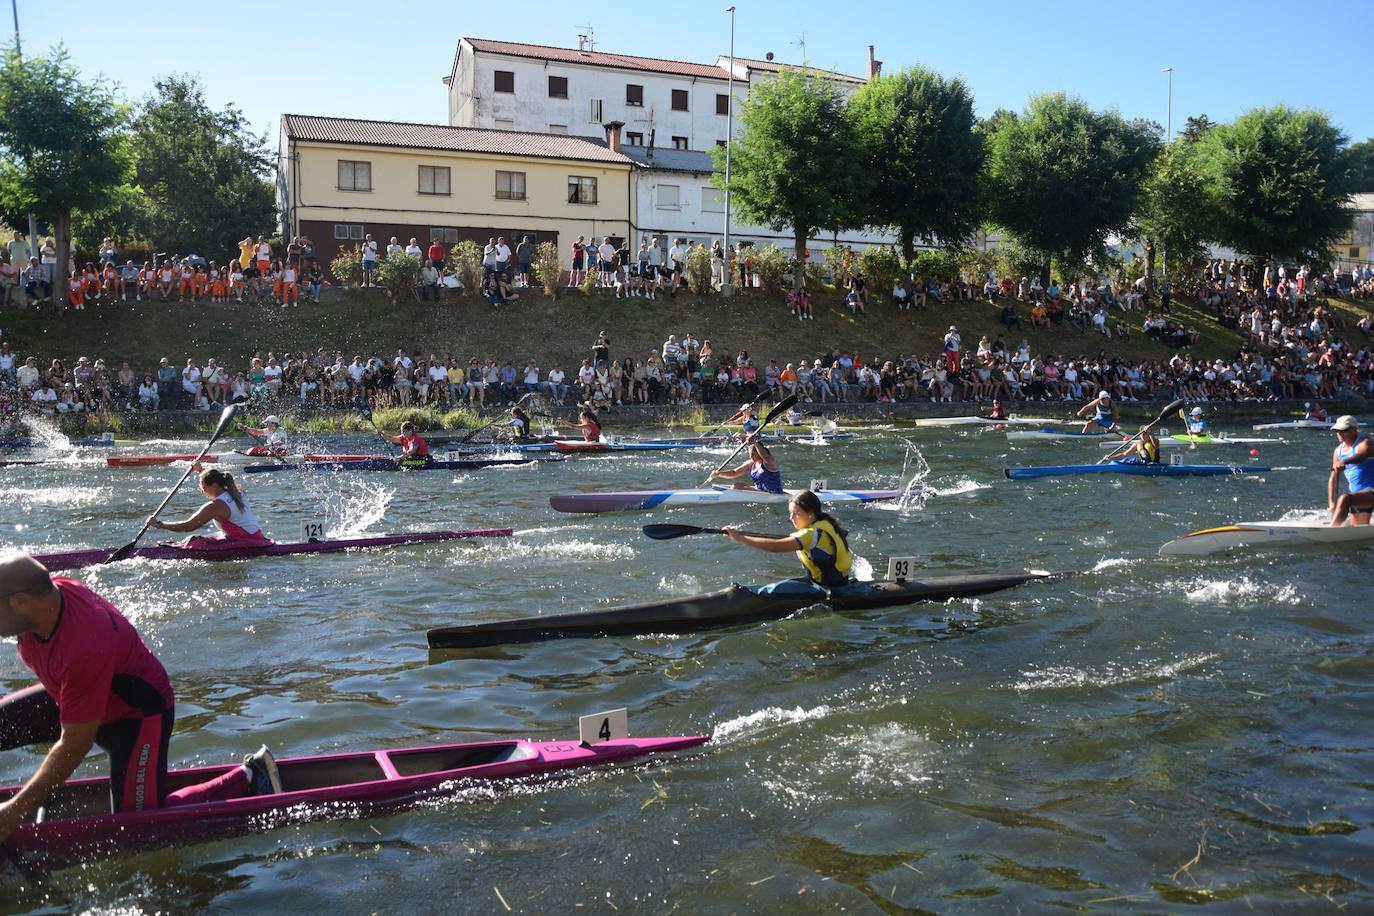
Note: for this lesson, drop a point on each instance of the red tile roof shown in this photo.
(598, 58)
(443, 137)
(775, 66)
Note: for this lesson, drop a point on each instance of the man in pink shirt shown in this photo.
(98, 684)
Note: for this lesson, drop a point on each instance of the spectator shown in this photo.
(369, 256)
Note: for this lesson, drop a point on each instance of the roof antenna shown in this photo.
(587, 40)
(801, 43)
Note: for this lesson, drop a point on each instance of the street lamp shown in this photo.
(1169, 120)
(726, 287)
(19, 52)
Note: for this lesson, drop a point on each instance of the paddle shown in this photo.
(473, 432)
(778, 410)
(1151, 425)
(721, 425)
(224, 419)
(366, 411)
(671, 532)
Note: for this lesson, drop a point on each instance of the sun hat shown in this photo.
(271, 420)
(1345, 421)
(1197, 411)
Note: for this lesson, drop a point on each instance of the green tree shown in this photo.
(1361, 158)
(1279, 182)
(794, 165)
(1175, 211)
(203, 173)
(63, 140)
(1195, 127)
(917, 141)
(1062, 177)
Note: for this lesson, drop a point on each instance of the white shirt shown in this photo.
(356, 371)
(414, 251)
(556, 376)
(532, 375)
(438, 373)
(675, 255)
(607, 251)
(370, 251)
(393, 248)
(240, 518)
(190, 378)
(147, 391)
(264, 252)
(502, 254)
(586, 374)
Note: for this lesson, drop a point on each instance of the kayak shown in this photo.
(77, 820)
(1136, 468)
(1283, 535)
(1054, 432)
(382, 463)
(143, 461)
(89, 442)
(733, 606)
(927, 422)
(1295, 424)
(579, 445)
(1183, 439)
(75, 559)
(649, 499)
(792, 429)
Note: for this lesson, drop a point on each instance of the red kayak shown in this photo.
(76, 820)
(143, 461)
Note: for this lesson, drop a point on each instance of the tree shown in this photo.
(1195, 127)
(1361, 157)
(1279, 182)
(794, 165)
(202, 172)
(1175, 211)
(63, 141)
(918, 143)
(1062, 177)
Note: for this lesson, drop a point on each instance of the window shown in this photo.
(348, 232)
(712, 201)
(722, 104)
(558, 87)
(1354, 251)
(444, 235)
(355, 176)
(634, 94)
(510, 185)
(581, 190)
(558, 128)
(634, 138)
(505, 81)
(679, 143)
(505, 124)
(679, 100)
(595, 114)
(669, 197)
(434, 179)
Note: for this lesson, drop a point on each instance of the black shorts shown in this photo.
(607, 267)
(577, 263)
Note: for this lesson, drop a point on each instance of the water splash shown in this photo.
(47, 435)
(763, 720)
(862, 569)
(1112, 675)
(353, 511)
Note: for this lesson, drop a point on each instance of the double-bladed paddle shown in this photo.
(672, 532)
(721, 425)
(224, 419)
(1129, 440)
(468, 437)
(778, 410)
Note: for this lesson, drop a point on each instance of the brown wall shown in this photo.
(326, 246)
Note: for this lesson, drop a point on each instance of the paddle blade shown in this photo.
(363, 408)
(122, 553)
(670, 532)
(225, 418)
(1175, 406)
(779, 409)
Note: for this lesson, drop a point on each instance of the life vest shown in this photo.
(824, 554)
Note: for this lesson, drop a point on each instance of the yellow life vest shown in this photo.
(824, 554)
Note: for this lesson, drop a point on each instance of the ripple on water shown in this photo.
(1240, 592)
(1058, 677)
(74, 497)
(514, 548)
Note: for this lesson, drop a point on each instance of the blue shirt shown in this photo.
(1360, 475)
(508, 374)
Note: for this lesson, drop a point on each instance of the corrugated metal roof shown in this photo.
(671, 160)
(598, 58)
(443, 137)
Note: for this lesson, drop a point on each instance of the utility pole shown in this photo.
(1169, 135)
(727, 288)
(33, 224)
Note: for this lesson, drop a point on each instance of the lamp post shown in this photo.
(727, 288)
(19, 51)
(1169, 135)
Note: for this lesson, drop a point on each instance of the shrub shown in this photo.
(699, 269)
(547, 267)
(974, 264)
(880, 268)
(465, 260)
(398, 274)
(833, 258)
(770, 266)
(347, 268)
(589, 280)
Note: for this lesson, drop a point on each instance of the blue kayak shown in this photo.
(1137, 468)
(84, 443)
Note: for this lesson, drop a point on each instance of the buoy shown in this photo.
(1254, 453)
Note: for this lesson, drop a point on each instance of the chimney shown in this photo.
(613, 135)
(581, 42)
(875, 67)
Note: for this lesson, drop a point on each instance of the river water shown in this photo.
(1144, 735)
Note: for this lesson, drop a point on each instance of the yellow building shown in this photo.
(1357, 247)
(340, 180)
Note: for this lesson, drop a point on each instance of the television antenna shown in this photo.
(586, 40)
(801, 43)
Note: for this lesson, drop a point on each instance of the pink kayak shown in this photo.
(76, 821)
(75, 559)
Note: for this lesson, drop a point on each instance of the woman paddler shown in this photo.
(819, 541)
(273, 439)
(1105, 415)
(226, 507)
(587, 424)
(414, 451)
(748, 423)
(1145, 449)
(761, 467)
(519, 423)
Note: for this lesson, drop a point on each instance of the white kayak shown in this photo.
(1054, 432)
(1265, 535)
(1183, 441)
(983, 421)
(1295, 424)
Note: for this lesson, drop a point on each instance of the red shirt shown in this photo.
(414, 446)
(92, 645)
(436, 254)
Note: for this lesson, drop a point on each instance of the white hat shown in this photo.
(1197, 411)
(746, 407)
(1308, 405)
(1344, 422)
(953, 328)
(271, 420)
(1106, 395)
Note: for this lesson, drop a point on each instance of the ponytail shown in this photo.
(225, 481)
(811, 503)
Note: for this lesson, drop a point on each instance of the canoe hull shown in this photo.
(1136, 470)
(1295, 424)
(651, 499)
(75, 559)
(1280, 535)
(734, 606)
(315, 788)
(143, 461)
(388, 464)
(1053, 433)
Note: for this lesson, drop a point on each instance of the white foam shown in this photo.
(1111, 563)
(510, 548)
(768, 719)
(1242, 592)
(1063, 676)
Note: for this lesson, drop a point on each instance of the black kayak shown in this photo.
(729, 607)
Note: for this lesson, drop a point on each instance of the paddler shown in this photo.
(1354, 457)
(793, 417)
(273, 439)
(1315, 412)
(98, 684)
(587, 423)
(820, 544)
(748, 423)
(997, 411)
(1196, 423)
(414, 451)
(761, 467)
(227, 507)
(1144, 450)
(1104, 413)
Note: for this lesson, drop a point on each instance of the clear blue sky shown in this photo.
(385, 60)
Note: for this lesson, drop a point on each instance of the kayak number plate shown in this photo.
(899, 569)
(604, 726)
